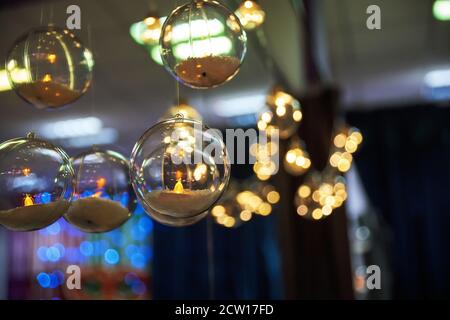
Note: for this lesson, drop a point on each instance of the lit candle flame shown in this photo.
(178, 187)
(101, 183)
(28, 201)
(26, 171)
(47, 78)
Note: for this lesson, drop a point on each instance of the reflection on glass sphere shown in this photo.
(250, 14)
(35, 183)
(179, 169)
(296, 160)
(203, 44)
(320, 194)
(185, 110)
(103, 198)
(49, 67)
(284, 114)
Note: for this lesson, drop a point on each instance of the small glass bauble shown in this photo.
(320, 195)
(203, 44)
(296, 160)
(49, 67)
(35, 183)
(103, 197)
(284, 114)
(250, 14)
(179, 169)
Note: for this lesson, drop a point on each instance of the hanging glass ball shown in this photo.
(150, 36)
(250, 14)
(203, 44)
(103, 198)
(179, 169)
(185, 110)
(320, 194)
(296, 161)
(284, 114)
(35, 183)
(49, 67)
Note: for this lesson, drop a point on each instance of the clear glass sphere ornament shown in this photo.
(49, 67)
(183, 108)
(320, 195)
(103, 198)
(250, 14)
(284, 114)
(203, 44)
(35, 183)
(179, 169)
(296, 160)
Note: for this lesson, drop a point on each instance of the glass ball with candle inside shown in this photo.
(49, 67)
(296, 160)
(284, 114)
(103, 197)
(250, 14)
(203, 44)
(179, 169)
(35, 183)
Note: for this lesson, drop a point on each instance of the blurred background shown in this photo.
(393, 84)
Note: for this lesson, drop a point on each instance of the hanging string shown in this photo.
(210, 251)
(90, 46)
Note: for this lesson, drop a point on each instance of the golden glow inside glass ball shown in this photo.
(346, 142)
(103, 197)
(319, 196)
(203, 44)
(266, 155)
(185, 110)
(284, 114)
(179, 170)
(241, 204)
(49, 67)
(250, 14)
(296, 161)
(152, 33)
(35, 183)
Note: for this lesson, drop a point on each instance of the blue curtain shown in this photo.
(405, 166)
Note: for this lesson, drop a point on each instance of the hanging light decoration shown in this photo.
(266, 156)
(284, 114)
(320, 194)
(296, 161)
(152, 33)
(250, 14)
(346, 142)
(240, 204)
(35, 183)
(179, 169)
(186, 110)
(103, 197)
(49, 67)
(203, 44)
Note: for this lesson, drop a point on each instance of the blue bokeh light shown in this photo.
(43, 279)
(112, 256)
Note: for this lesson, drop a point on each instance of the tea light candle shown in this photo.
(33, 216)
(181, 202)
(96, 214)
